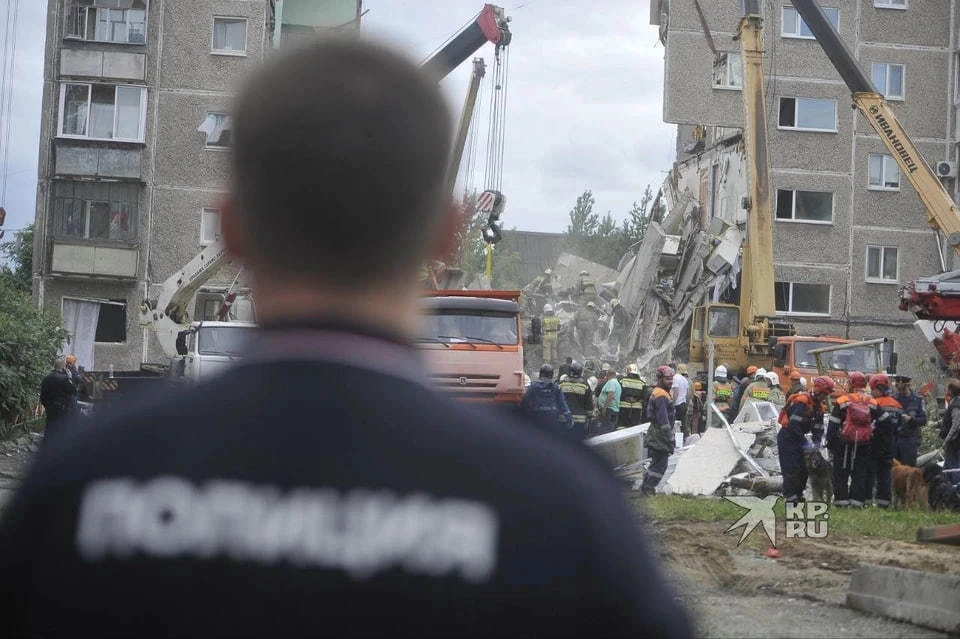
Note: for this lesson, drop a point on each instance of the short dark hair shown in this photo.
(340, 149)
(953, 387)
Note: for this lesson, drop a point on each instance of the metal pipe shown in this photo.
(843, 347)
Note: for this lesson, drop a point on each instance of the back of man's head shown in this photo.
(340, 153)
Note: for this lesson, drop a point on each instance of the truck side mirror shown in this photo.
(182, 342)
(892, 365)
(779, 353)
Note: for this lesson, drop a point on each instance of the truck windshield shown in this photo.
(724, 322)
(464, 327)
(858, 358)
(222, 340)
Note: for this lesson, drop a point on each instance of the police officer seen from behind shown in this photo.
(579, 399)
(907, 441)
(57, 395)
(265, 501)
(543, 403)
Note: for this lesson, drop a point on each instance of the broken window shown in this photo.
(112, 325)
(230, 35)
(793, 26)
(805, 206)
(120, 21)
(728, 71)
(209, 226)
(812, 114)
(217, 127)
(96, 211)
(102, 111)
(884, 172)
(888, 79)
(802, 299)
(883, 264)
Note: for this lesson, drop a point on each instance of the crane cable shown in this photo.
(493, 173)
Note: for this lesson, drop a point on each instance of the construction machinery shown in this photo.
(935, 298)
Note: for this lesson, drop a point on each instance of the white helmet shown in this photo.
(632, 369)
(548, 308)
(803, 383)
(760, 374)
(720, 372)
(774, 378)
(549, 271)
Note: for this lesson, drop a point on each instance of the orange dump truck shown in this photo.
(472, 344)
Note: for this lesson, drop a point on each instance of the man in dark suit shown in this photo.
(321, 487)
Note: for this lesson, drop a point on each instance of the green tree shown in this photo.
(18, 254)
(600, 239)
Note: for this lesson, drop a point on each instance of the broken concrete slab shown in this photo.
(701, 470)
(622, 447)
(922, 598)
(566, 273)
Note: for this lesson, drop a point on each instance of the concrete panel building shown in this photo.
(132, 163)
(849, 230)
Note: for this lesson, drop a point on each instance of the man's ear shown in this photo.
(447, 239)
(231, 228)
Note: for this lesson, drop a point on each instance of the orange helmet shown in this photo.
(857, 380)
(880, 380)
(794, 374)
(823, 384)
(751, 370)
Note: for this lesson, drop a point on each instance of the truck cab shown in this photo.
(208, 348)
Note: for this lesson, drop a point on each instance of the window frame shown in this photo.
(230, 52)
(205, 212)
(798, 35)
(886, 348)
(805, 313)
(728, 72)
(886, 75)
(103, 302)
(793, 208)
(880, 279)
(217, 147)
(72, 6)
(131, 234)
(796, 110)
(883, 173)
(141, 125)
(888, 4)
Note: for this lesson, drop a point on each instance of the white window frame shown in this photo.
(793, 208)
(890, 4)
(733, 61)
(143, 111)
(101, 302)
(805, 313)
(886, 160)
(246, 36)
(885, 90)
(72, 5)
(798, 35)
(216, 147)
(205, 215)
(795, 115)
(880, 279)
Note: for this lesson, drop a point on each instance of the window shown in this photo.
(112, 324)
(884, 172)
(793, 26)
(888, 79)
(100, 211)
(890, 4)
(230, 36)
(209, 226)
(883, 264)
(805, 206)
(807, 299)
(808, 113)
(728, 71)
(886, 349)
(217, 127)
(102, 111)
(121, 21)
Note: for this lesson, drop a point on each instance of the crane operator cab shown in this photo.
(207, 349)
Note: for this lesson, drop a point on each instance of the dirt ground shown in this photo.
(735, 591)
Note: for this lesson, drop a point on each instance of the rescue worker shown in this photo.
(757, 390)
(579, 400)
(949, 428)
(681, 394)
(740, 388)
(722, 392)
(795, 385)
(545, 405)
(697, 404)
(609, 405)
(620, 321)
(565, 367)
(851, 461)
(907, 441)
(804, 414)
(660, 439)
(633, 397)
(887, 420)
(775, 396)
(551, 327)
(585, 285)
(585, 321)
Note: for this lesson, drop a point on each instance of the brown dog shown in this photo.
(909, 486)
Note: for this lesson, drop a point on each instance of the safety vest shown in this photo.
(801, 420)
(579, 398)
(759, 391)
(632, 394)
(550, 325)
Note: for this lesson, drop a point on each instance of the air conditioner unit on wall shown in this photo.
(945, 169)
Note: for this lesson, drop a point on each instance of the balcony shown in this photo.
(94, 260)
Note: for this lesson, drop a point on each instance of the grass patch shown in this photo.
(870, 522)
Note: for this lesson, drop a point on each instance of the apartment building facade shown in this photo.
(132, 153)
(849, 230)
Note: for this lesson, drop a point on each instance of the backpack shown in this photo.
(858, 423)
(783, 418)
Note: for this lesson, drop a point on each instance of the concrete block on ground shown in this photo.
(621, 447)
(921, 598)
(701, 469)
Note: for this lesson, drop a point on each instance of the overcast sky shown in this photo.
(584, 101)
